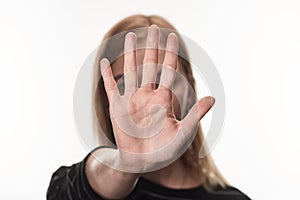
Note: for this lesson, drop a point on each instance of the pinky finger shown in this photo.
(108, 78)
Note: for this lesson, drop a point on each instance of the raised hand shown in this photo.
(147, 133)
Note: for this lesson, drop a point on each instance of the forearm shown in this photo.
(120, 183)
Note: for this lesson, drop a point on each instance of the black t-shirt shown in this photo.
(71, 183)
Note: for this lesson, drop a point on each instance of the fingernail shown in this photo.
(154, 25)
(129, 42)
(172, 43)
(212, 101)
(130, 35)
(153, 35)
(103, 64)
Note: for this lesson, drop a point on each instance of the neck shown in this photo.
(176, 175)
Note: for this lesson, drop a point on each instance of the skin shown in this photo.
(140, 100)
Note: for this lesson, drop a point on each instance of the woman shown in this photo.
(185, 176)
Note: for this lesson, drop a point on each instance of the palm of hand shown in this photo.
(143, 118)
(148, 123)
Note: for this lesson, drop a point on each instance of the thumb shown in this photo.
(199, 109)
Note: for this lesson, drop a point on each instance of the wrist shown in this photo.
(114, 162)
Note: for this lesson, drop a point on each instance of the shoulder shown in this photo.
(146, 189)
(229, 192)
(70, 182)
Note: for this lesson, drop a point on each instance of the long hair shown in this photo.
(206, 166)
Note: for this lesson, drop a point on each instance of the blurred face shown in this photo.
(179, 87)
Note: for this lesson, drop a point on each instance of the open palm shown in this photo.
(145, 127)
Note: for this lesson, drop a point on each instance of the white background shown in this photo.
(254, 44)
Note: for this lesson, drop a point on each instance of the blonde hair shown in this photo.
(206, 165)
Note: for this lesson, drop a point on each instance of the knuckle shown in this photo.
(149, 60)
